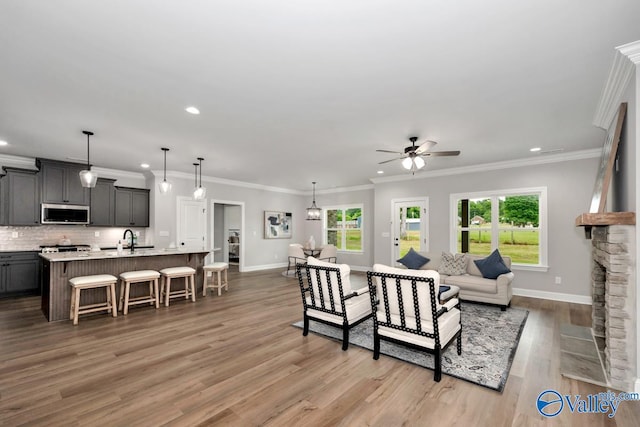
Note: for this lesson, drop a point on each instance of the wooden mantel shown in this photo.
(588, 220)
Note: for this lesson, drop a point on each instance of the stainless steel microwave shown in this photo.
(64, 214)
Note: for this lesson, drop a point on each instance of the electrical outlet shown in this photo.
(136, 233)
(96, 234)
(14, 234)
(275, 256)
(558, 280)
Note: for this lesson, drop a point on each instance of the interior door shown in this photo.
(409, 227)
(192, 223)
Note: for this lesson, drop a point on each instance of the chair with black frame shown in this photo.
(329, 253)
(327, 297)
(407, 311)
(296, 256)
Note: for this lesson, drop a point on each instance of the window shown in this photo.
(513, 221)
(343, 227)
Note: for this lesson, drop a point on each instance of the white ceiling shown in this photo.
(296, 91)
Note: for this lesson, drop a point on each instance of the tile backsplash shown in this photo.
(31, 238)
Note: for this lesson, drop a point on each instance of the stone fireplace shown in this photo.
(613, 294)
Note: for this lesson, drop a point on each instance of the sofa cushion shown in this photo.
(413, 260)
(468, 282)
(453, 264)
(492, 266)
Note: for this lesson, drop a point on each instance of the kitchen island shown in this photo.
(58, 268)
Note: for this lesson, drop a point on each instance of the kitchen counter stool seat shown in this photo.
(141, 276)
(80, 283)
(189, 290)
(218, 268)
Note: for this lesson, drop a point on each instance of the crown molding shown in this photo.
(625, 61)
(231, 182)
(363, 187)
(9, 160)
(116, 173)
(541, 160)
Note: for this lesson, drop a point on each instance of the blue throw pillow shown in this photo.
(492, 266)
(413, 260)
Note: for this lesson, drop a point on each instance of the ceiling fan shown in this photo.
(413, 155)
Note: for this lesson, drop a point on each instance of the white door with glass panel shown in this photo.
(409, 221)
(192, 223)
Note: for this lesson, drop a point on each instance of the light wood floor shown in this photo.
(235, 360)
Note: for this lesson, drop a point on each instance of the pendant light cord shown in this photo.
(196, 174)
(201, 159)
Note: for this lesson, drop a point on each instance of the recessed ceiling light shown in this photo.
(144, 165)
(381, 172)
(535, 149)
(3, 143)
(192, 110)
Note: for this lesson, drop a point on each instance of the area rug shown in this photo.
(489, 341)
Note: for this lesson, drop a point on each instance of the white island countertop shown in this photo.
(81, 256)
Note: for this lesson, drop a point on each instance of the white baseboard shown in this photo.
(264, 267)
(554, 296)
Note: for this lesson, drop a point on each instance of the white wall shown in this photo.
(358, 261)
(259, 252)
(569, 188)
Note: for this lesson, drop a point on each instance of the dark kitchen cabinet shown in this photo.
(103, 203)
(132, 207)
(19, 273)
(22, 196)
(60, 182)
(3, 201)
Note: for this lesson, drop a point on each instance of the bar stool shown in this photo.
(132, 277)
(79, 283)
(189, 275)
(216, 267)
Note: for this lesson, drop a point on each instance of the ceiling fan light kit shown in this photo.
(88, 178)
(412, 157)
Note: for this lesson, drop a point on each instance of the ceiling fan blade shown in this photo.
(425, 147)
(391, 160)
(388, 151)
(440, 153)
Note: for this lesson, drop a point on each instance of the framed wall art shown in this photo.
(277, 225)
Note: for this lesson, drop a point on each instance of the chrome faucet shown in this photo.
(124, 236)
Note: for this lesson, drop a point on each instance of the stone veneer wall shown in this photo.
(30, 238)
(613, 293)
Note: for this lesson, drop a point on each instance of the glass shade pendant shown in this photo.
(164, 187)
(314, 212)
(88, 178)
(419, 162)
(407, 163)
(199, 192)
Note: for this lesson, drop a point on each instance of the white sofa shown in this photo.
(474, 287)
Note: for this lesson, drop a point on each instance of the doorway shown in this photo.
(409, 226)
(227, 232)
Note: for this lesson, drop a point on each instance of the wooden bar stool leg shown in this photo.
(71, 305)
(121, 299)
(167, 288)
(155, 286)
(186, 287)
(204, 283)
(192, 279)
(219, 284)
(76, 307)
(112, 288)
(127, 290)
(226, 280)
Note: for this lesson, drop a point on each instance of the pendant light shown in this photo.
(88, 178)
(199, 192)
(164, 186)
(313, 213)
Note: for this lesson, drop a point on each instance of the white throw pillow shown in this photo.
(453, 264)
